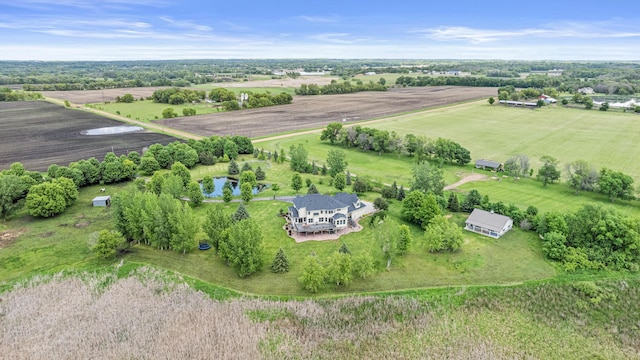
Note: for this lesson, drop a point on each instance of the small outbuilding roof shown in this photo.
(102, 198)
(488, 220)
(487, 163)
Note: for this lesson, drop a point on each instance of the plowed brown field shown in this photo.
(38, 133)
(317, 111)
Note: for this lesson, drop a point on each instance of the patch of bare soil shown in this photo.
(7, 237)
(466, 179)
(82, 224)
(47, 234)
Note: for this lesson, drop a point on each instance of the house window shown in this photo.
(310, 220)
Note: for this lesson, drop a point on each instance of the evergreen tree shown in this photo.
(314, 168)
(240, 214)
(453, 205)
(401, 194)
(394, 190)
(260, 175)
(344, 249)
(348, 177)
(233, 168)
(227, 194)
(324, 170)
(246, 167)
(312, 189)
(280, 262)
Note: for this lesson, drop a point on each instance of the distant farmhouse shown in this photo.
(317, 213)
(547, 99)
(586, 91)
(489, 164)
(488, 223)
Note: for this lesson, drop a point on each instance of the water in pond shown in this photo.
(111, 130)
(235, 186)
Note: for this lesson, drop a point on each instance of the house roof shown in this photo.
(293, 211)
(324, 202)
(339, 216)
(488, 220)
(489, 163)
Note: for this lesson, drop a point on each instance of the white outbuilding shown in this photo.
(102, 201)
(488, 223)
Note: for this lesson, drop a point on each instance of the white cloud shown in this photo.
(575, 30)
(317, 19)
(185, 24)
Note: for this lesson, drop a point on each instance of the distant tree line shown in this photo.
(177, 96)
(382, 141)
(7, 94)
(335, 87)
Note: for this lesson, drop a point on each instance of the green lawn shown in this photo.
(514, 258)
(560, 197)
(604, 139)
(148, 110)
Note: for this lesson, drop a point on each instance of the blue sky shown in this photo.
(162, 29)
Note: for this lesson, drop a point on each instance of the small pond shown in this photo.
(111, 130)
(235, 186)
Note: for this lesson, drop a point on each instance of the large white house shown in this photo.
(316, 213)
(488, 223)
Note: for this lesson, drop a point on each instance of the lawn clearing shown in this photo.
(511, 259)
(147, 110)
(559, 197)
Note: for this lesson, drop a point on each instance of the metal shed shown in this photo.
(102, 201)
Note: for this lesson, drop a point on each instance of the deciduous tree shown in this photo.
(313, 275)
(336, 162)
(548, 172)
(107, 242)
(339, 269)
(442, 235)
(615, 184)
(296, 182)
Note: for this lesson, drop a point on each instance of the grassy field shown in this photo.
(494, 132)
(147, 313)
(148, 110)
(560, 197)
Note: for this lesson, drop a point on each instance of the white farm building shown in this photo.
(488, 223)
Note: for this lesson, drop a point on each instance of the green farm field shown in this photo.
(148, 110)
